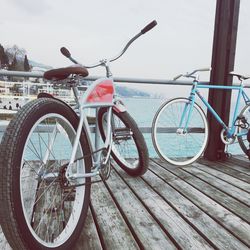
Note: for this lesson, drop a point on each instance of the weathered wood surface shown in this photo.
(202, 206)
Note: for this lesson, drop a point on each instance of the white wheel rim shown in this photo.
(79, 195)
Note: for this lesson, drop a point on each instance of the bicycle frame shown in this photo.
(52, 154)
(100, 94)
(231, 129)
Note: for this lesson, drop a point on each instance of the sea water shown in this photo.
(143, 111)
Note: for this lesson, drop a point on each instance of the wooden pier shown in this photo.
(202, 206)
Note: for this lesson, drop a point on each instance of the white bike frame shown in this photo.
(100, 94)
(95, 146)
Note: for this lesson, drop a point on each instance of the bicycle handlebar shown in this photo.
(143, 31)
(65, 52)
(197, 70)
(177, 77)
(147, 28)
(192, 73)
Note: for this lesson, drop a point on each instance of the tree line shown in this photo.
(14, 58)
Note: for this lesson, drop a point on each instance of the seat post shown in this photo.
(76, 94)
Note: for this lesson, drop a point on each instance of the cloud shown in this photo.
(31, 6)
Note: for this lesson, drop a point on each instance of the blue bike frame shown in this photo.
(189, 106)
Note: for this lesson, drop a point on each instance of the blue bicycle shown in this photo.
(180, 129)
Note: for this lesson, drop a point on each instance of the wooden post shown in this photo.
(224, 45)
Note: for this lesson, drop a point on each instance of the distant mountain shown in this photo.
(15, 58)
(130, 92)
(39, 65)
(17, 55)
(121, 90)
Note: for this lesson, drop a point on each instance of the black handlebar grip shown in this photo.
(149, 27)
(65, 52)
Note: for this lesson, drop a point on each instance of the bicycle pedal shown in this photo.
(122, 133)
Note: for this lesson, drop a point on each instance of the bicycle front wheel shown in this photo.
(40, 208)
(176, 139)
(129, 148)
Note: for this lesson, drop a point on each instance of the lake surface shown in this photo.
(143, 111)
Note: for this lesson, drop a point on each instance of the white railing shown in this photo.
(92, 78)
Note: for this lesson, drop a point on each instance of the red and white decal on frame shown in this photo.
(103, 92)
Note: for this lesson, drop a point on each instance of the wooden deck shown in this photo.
(202, 206)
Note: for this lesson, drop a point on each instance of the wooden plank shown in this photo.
(148, 232)
(225, 168)
(225, 200)
(225, 177)
(210, 229)
(221, 214)
(242, 157)
(235, 192)
(89, 238)
(184, 235)
(171, 208)
(113, 229)
(240, 164)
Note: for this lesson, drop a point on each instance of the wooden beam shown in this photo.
(224, 46)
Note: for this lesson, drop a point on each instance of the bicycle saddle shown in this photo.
(240, 76)
(62, 73)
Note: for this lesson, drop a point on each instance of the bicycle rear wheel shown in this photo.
(244, 143)
(129, 148)
(40, 208)
(171, 141)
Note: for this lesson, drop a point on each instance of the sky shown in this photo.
(97, 29)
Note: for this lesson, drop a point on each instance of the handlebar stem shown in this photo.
(106, 64)
(191, 75)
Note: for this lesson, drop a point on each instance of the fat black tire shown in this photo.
(143, 157)
(11, 213)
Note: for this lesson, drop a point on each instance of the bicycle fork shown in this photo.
(186, 114)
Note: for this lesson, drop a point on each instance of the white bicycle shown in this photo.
(48, 157)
